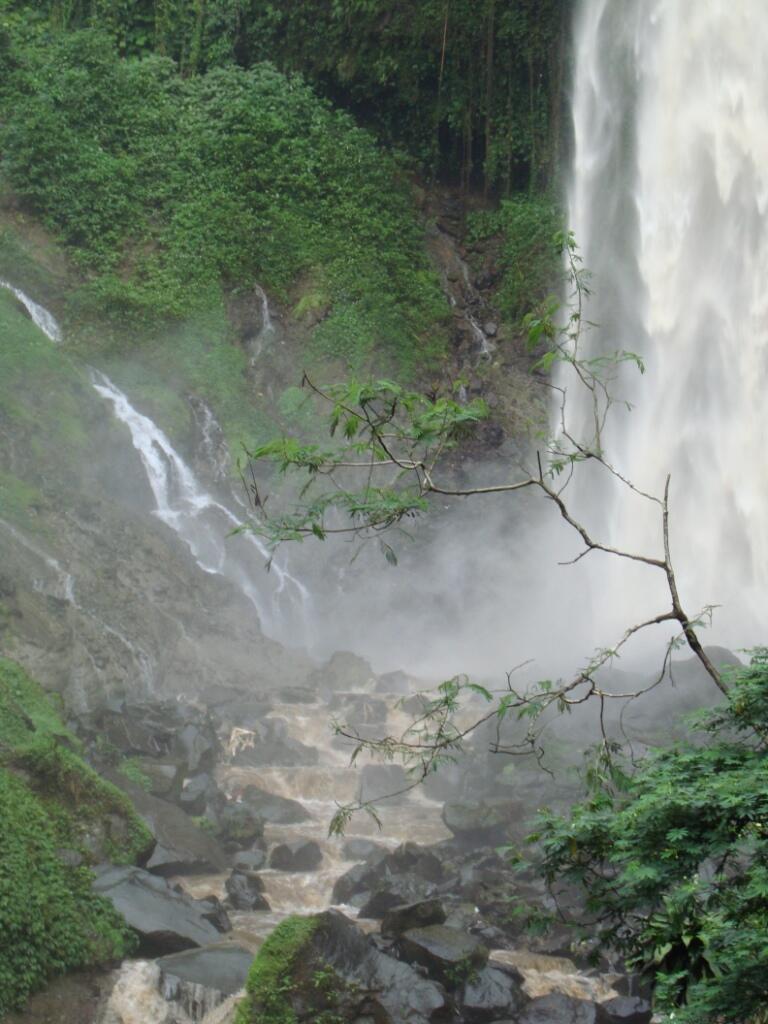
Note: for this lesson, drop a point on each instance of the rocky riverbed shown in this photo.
(414, 921)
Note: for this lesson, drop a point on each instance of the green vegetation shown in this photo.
(83, 807)
(167, 190)
(673, 856)
(271, 976)
(40, 393)
(51, 802)
(468, 87)
(530, 263)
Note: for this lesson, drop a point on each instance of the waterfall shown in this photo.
(40, 316)
(668, 198)
(266, 332)
(203, 523)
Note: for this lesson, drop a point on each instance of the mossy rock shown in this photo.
(58, 816)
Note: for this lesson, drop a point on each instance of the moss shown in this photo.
(80, 804)
(50, 919)
(270, 980)
(51, 799)
(131, 769)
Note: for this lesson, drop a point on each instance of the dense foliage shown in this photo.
(673, 856)
(51, 801)
(165, 189)
(463, 85)
(529, 262)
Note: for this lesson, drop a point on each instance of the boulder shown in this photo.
(480, 823)
(166, 920)
(381, 783)
(197, 792)
(164, 776)
(273, 809)
(358, 708)
(170, 731)
(268, 743)
(447, 954)
(359, 983)
(557, 1008)
(412, 915)
(343, 671)
(362, 849)
(410, 873)
(199, 979)
(396, 683)
(245, 891)
(296, 855)
(180, 846)
(250, 860)
(625, 1010)
(239, 826)
(491, 993)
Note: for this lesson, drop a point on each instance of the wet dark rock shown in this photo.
(239, 826)
(219, 970)
(344, 672)
(166, 920)
(557, 1008)
(395, 683)
(297, 855)
(180, 846)
(276, 810)
(169, 731)
(415, 705)
(164, 776)
(245, 891)
(268, 743)
(381, 783)
(375, 906)
(250, 860)
(358, 708)
(362, 849)
(215, 912)
(296, 695)
(448, 955)
(625, 1010)
(412, 915)
(361, 984)
(196, 793)
(409, 873)
(480, 823)
(491, 993)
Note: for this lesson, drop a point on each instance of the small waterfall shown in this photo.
(267, 331)
(204, 523)
(669, 203)
(40, 316)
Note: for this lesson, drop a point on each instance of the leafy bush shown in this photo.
(50, 800)
(49, 919)
(528, 257)
(167, 189)
(674, 859)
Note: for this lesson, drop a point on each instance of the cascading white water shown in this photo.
(668, 200)
(193, 513)
(39, 315)
(203, 522)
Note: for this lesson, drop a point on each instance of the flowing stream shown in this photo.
(668, 198)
